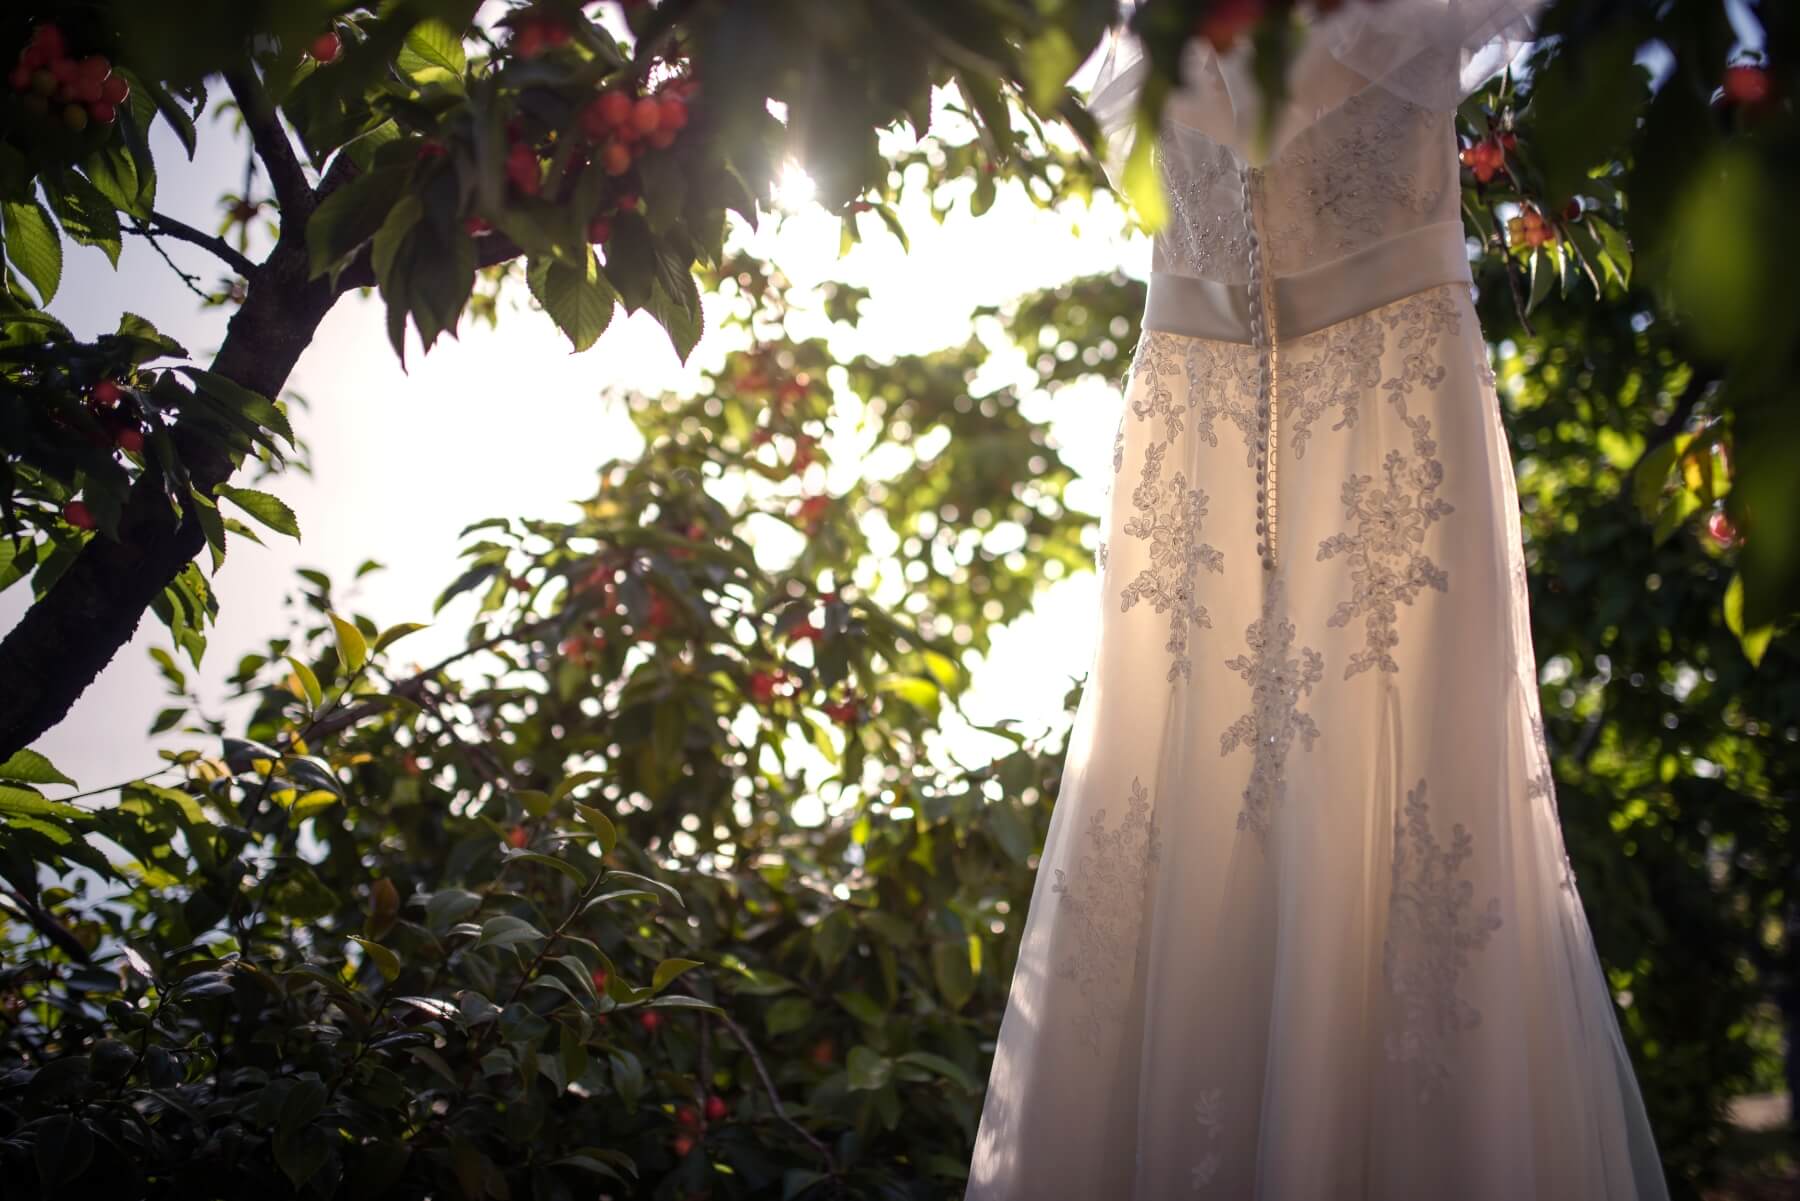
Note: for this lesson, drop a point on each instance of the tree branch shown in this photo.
(46, 924)
(183, 232)
(292, 191)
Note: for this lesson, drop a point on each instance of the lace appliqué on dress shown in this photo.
(1388, 565)
(1336, 368)
(1102, 898)
(1205, 235)
(1432, 927)
(1345, 178)
(1277, 682)
(1168, 515)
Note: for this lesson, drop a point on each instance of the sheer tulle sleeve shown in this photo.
(1430, 52)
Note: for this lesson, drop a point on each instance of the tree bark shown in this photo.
(64, 640)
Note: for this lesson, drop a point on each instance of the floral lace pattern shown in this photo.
(1336, 369)
(1344, 179)
(1206, 235)
(1167, 513)
(1102, 898)
(1385, 550)
(1278, 680)
(1432, 926)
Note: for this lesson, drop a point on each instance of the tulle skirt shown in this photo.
(1303, 927)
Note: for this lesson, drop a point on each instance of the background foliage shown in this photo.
(666, 887)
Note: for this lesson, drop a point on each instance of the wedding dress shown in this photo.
(1303, 927)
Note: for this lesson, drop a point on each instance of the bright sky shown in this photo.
(509, 422)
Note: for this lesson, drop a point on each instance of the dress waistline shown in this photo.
(1420, 258)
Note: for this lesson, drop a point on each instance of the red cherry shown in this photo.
(615, 107)
(1572, 210)
(823, 1053)
(48, 39)
(77, 514)
(62, 70)
(844, 712)
(557, 33)
(762, 687)
(1720, 528)
(646, 115)
(20, 78)
(1746, 84)
(599, 230)
(716, 1109)
(650, 1020)
(477, 227)
(95, 67)
(687, 1115)
(1225, 20)
(102, 112)
(1509, 140)
(594, 125)
(615, 158)
(325, 47)
(107, 393)
(517, 837)
(131, 440)
(681, 1144)
(674, 112)
(430, 149)
(522, 169)
(600, 980)
(115, 90)
(627, 202)
(662, 139)
(529, 40)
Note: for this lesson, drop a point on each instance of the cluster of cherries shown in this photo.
(687, 1118)
(1531, 227)
(85, 89)
(106, 401)
(1487, 157)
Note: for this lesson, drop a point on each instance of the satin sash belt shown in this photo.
(1420, 258)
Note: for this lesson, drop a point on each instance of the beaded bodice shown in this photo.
(1374, 167)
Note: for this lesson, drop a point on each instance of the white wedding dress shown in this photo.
(1303, 927)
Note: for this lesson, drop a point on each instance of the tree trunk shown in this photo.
(64, 640)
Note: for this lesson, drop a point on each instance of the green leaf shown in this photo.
(668, 970)
(601, 824)
(29, 767)
(1755, 640)
(562, 865)
(385, 961)
(309, 682)
(1143, 183)
(396, 632)
(577, 297)
(351, 215)
(33, 247)
(242, 403)
(85, 215)
(506, 930)
(938, 1065)
(788, 1014)
(868, 1069)
(353, 649)
(27, 802)
(265, 508)
(433, 50)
